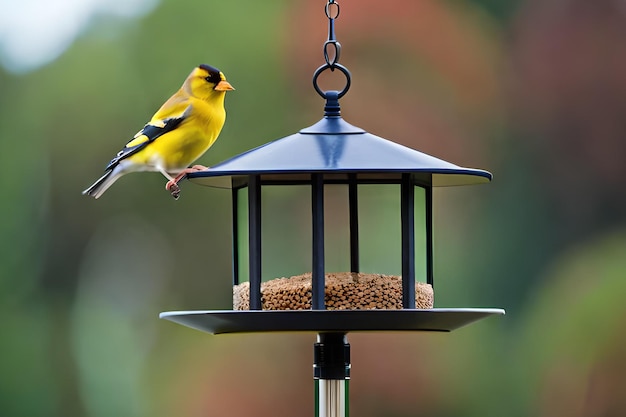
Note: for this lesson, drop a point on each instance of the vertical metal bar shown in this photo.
(429, 237)
(353, 204)
(332, 398)
(317, 271)
(346, 397)
(254, 237)
(407, 209)
(235, 231)
(331, 371)
(318, 397)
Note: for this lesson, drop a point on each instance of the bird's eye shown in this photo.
(208, 79)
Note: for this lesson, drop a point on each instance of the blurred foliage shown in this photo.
(531, 90)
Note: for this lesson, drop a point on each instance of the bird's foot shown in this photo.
(173, 188)
(172, 185)
(196, 168)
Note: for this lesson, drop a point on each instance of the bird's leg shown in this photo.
(182, 174)
(172, 184)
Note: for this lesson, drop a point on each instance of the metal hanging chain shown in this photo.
(332, 52)
(332, 12)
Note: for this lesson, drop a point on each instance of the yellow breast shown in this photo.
(182, 146)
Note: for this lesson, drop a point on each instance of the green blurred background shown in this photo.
(532, 90)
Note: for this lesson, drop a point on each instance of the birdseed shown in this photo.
(343, 291)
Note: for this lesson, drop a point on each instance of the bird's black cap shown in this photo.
(214, 73)
(209, 69)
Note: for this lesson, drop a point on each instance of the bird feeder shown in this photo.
(332, 153)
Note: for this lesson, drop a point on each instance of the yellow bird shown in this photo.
(181, 131)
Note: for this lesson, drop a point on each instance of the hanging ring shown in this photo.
(332, 67)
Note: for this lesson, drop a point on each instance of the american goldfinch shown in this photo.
(181, 131)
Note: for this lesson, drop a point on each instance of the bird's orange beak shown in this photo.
(224, 86)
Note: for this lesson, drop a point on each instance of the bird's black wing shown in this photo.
(147, 135)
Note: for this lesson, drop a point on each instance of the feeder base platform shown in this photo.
(231, 321)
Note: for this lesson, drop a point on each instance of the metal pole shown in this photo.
(429, 237)
(235, 231)
(254, 239)
(407, 208)
(317, 270)
(353, 204)
(331, 371)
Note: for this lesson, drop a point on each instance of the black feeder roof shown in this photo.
(336, 148)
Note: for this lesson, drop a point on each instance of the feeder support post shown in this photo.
(331, 371)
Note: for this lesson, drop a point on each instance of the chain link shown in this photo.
(329, 7)
(331, 56)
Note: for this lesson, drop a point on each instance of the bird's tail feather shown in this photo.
(103, 183)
